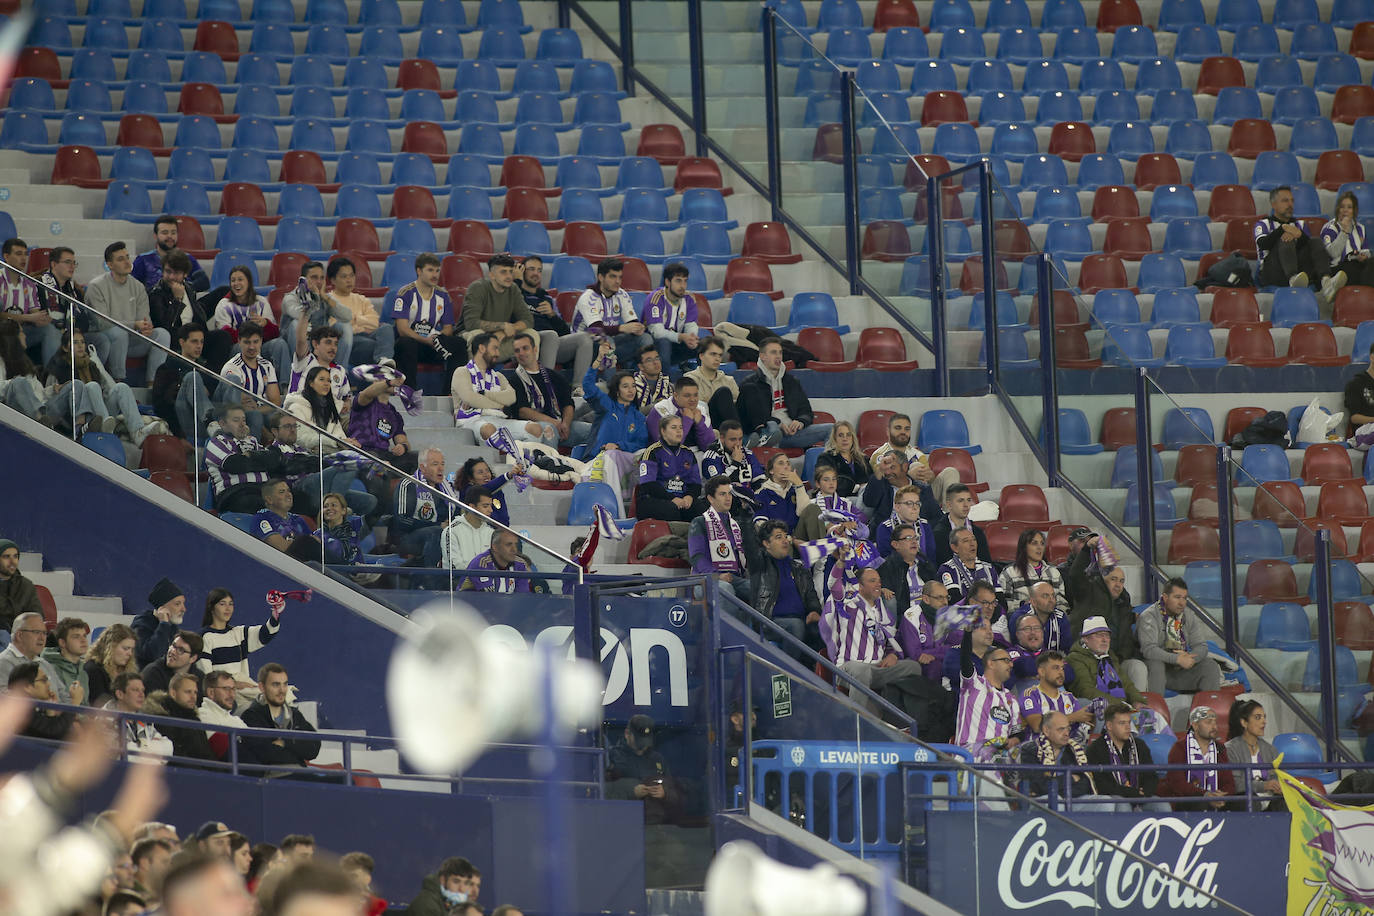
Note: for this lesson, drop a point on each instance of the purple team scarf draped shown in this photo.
(504, 442)
(955, 617)
(864, 554)
(412, 400)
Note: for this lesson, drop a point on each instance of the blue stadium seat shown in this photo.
(199, 67)
(933, 76)
(197, 131)
(314, 134)
(586, 496)
(77, 129)
(188, 197)
(707, 242)
(358, 200)
(138, 164)
(115, 9)
(1014, 142)
(957, 242)
(540, 108)
(145, 98)
(256, 100)
(381, 42)
(1007, 313)
(1261, 463)
(51, 32)
(1276, 72)
(444, 12)
(577, 172)
(327, 11)
(1125, 470)
(1187, 426)
(414, 235)
(1187, 139)
(1166, 512)
(1346, 582)
(108, 33)
(1100, 75)
(639, 172)
(161, 35)
(311, 70)
(367, 103)
(1156, 74)
(254, 133)
(1335, 71)
(1058, 14)
(1056, 106)
(602, 141)
(122, 197)
(1098, 169)
(957, 142)
(1196, 42)
(87, 95)
(1045, 76)
(1172, 105)
(1020, 45)
(365, 137)
(226, 261)
(650, 205)
(1255, 41)
(239, 233)
(836, 14)
(571, 273)
(358, 168)
(423, 105)
(944, 429)
(328, 39)
(475, 108)
(1274, 168)
(962, 45)
(559, 44)
(1258, 539)
(1160, 272)
(1000, 107)
(301, 200)
(1134, 43)
(1347, 14)
(472, 203)
(222, 10)
(1175, 307)
(1114, 106)
(815, 310)
(87, 63)
(107, 445)
(1191, 345)
(1211, 170)
(479, 140)
(246, 165)
(379, 12)
(1043, 171)
(989, 76)
(597, 108)
(581, 205)
(876, 76)
(905, 46)
(705, 205)
(1075, 436)
(501, 45)
(1130, 140)
(441, 44)
(752, 308)
(897, 141)
(468, 172)
(537, 140)
(1313, 40)
(881, 203)
(1293, 104)
(1056, 203)
(643, 241)
(1187, 237)
(590, 76)
(1294, 12)
(527, 236)
(1283, 625)
(1172, 202)
(257, 69)
(299, 234)
(1115, 308)
(1293, 306)
(1346, 673)
(272, 38)
(1008, 14)
(504, 14)
(399, 269)
(36, 94)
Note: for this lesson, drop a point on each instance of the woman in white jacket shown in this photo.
(314, 403)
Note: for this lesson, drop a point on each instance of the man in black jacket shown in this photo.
(180, 658)
(783, 588)
(958, 502)
(1288, 256)
(773, 408)
(1116, 747)
(179, 702)
(904, 565)
(272, 711)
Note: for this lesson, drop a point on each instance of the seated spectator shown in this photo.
(783, 588)
(669, 479)
(454, 883)
(774, 408)
(149, 266)
(301, 469)
(842, 452)
(1359, 395)
(651, 382)
(241, 305)
(1247, 724)
(66, 658)
(1054, 746)
(464, 538)
(281, 528)
(238, 465)
(315, 403)
(906, 510)
(495, 306)
(1097, 670)
(716, 389)
(257, 391)
(635, 771)
(181, 656)
(818, 519)
(423, 315)
(1288, 256)
(22, 301)
(179, 394)
(782, 496)
(20, 387)
(157, 626)
(307, 307)
(1174, 644)
(685, 404)
(916, 631)
(1044, 607)
(1344, 239)
(17, 594)
(27, 637)
(373, 339)
(1026, 645)
(1048, 695)
(179, 701)
(964, 568)
(341, 533)
(502, 556)
(620, 425)
(717, 543)
(152, 857)
(978, 634)
(989, 718)
(670, 314)
(29, 679)
(57, 284)
(115, 296)
(542, 396)
(481, 395)
(111, 656)
(297, 848)
(221, 700)
(557, 343)
(1199, 748)
(898, 441)
(359, 867)
(240, 853)
(605, 310)
(172, 302)
(99, 404)
(225, 647)
(880, 492)
(958, 501)
(904, 572)
(424, 506)
(1116, 746)
(475, 472)
(376, 425)
(1030, 567)
(727, 457)
(321, 348)
(271, 710)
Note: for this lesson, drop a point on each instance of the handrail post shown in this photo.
(627, 47)
(697, 60)
(348, 761)
(770, 107)
(1145, 486)
(850, 165)
(1326, 637)
(1225, 527)
(564, 14)
(935, 244)
(989, 271)
(1044, 282)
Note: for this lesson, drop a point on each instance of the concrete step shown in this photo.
(84, 605)
(30, 562)
(59, 582)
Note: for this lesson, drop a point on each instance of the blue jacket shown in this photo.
(622, 424)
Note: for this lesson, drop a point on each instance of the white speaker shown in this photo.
(742, 881)
(451, 692)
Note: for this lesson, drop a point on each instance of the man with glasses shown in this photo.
(181, 656)
(904, 572)
(28, 635)
(1043, 607)
(989, 719)
(221, 698)
(61, 277)
(906, 510)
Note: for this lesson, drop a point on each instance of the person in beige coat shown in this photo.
(481, 394)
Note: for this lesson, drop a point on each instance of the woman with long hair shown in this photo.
(1344, 238)
(240, 854)
(842, 453)
(476, 472)
(1030, 567)
(264, 858)
(227, 647)
(242, 303)
(1247, 745)
(111, 656)
(19, 385)
(782, 497)
(314, 403)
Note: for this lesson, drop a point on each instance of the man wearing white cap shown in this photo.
(1175, 644)
(1099, 673)
(1199, 748)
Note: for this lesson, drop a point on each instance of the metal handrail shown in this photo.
(74, 303)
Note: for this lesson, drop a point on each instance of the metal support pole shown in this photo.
(935, 243)
(1044, 281)
(1226, 528)
(989, 270)
(564, 15)
(851, 181)
(627, 47)
(1145, 481)
(586, 626)
(1326, 637)
(770, 108)
(697, 53)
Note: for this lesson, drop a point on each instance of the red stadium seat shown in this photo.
(971, 278)
(39, 260)
(1353, 305)
(704, 317)
(41, 63)
(1352, 103)
(1128, 239)
(286, 268)
(304, 166)
(1065, 310)
(471, 238)
(769, 242)
(1325, 462)
(202, 99)
(1253, 345)
(1354, 625)
(458, 271)
(1272, 580)
(1313, 344)
(239, 198)
(872, 428)
(1153, 170)
(531, 204)
(522, 172)
(414, 202)
(1002, 537)
(961, 461)
(175, 482)
(1250, 137)
(1205, 264)
(1113, 14)
(1221, 701)
(78, 165)
(1233, 306)
(218, 37)
(1024, 502)
(1240, 235)
(645, 533)
(1196, 464)
(1343, 501)
(1192, 541)
(141, 130)
(697, 172)
(426, 138)
(1071, 141)
(828, 349)
(829, 145)
(1102, 271)
(1202, 503)
(1010, 237)
(1118, 428)
(884, 349)
(1336, 167)
(1362, 41)
(1157, 702)
(886, 240)
(943, 106)
(585, 240)
(663, 142)
(357, 234)
(419, 74)
(1057, 542)
(190, 235)
(1279, 501)
(566, 303)
(1216, 73)
(1366, 552)
(1114, 201)
(919, 167)
(48, 607)
(1304, 546)
(1230, 201)
(1071, 349)
(635, 277)
(749, 275)
(893, 14)
(274, 298)
(1237, 418)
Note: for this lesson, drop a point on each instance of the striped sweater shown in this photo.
(228, 649)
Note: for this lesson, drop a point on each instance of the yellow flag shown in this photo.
(1330, 853)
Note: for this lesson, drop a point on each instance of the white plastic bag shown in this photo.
(1318, 424)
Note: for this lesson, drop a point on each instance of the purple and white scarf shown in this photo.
(724, 542)
(539, 390)
(412, 400)
(1206, 778)
(238, 314)
(1132, 758)
(504, 442)
(864, 554)
(955, 617)
(483, 380)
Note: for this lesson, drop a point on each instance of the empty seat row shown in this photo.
(491, 13)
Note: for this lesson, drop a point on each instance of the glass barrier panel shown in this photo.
(663, 50)
(732, 48)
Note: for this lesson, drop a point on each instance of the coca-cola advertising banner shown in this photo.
(1012, 862)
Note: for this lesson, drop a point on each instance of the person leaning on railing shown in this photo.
(1209, 778)
(1117, 746)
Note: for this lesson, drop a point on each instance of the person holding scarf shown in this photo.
(1206, 779)
(481, 396)
(916, 632)
(1117, 747)
(542, 395)
(715, 540)
(375, 422)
